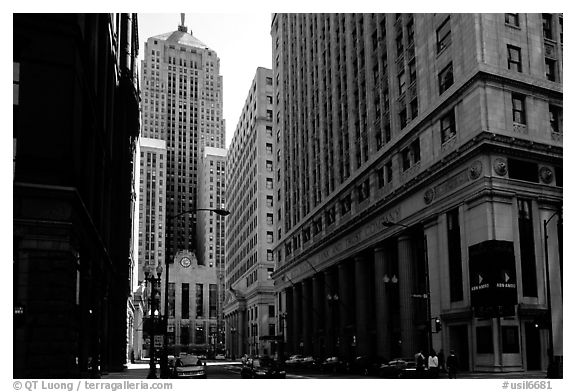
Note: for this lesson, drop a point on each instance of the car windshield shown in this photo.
(189, 360)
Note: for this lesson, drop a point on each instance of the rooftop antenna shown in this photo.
(182, 27)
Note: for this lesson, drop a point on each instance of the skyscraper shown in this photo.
(249, 308)
(420, 179)
(182, 106)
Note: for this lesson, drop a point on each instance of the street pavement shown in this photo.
(231, 369)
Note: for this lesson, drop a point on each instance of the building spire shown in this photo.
(182, 27)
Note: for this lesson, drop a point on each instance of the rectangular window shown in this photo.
(518, 109)
(448, 126)
(269, 219)
(454, 256)
(414, 108)
(550, 69)
(523, 170)
(185, 300)
(269, 201)
(268, 130)
(184, 335)
(403, 117)
(510, 341)
(269, 255)
(269, 81)
(271, 311)
(388, 167)
(380, 176)
(410, 30)
(199, 300)
(269, 148)
(269, 237)
(527, 251)
(271, 329)
(269, 183)
(484, 344)
(269, 99)
(547, 26)
(401, 83)
(269, 115)
(555, 118)
(399, 44)
(445, 78)
(346, 204)
(212, 301)
(269, 166)
(200, 334)
(443, 36)
(514, 58)
(412, 70)
(512, 19)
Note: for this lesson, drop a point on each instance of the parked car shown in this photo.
(334, 365)
(263, 367)
(220, 356)
(367, 365)
(396, 367)
(309, 363)
(293, 361)
(188, 366)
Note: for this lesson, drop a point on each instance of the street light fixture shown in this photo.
(218, 211)
(154, 298)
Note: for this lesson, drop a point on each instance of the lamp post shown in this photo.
(154, 298)
(426, 295)
(218, 211)
(553, 367)
(233, 332)
(333, 305)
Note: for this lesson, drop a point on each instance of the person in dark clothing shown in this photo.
(452, 364)
(420, 364)
(441, 358)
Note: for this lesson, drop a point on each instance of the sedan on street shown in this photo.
(263, 367)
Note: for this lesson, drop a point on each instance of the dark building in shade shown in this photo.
(76, 122)
(419, 185)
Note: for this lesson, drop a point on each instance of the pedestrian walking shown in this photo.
(420, 364)
(441, 363)
(433, 365)
(452, 364)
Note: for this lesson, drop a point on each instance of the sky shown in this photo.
(241, 40)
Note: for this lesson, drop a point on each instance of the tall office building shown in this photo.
(249, 308)
(76, 123)
(420, 183)
(211, 229)
(181, 106)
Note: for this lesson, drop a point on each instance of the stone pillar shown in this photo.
(307, 314)
(317, 316)
(297, 320)
(346, 309)
(361, 283)
(406, 289)
(242, 324)
(330, 307)
(289, 338)
(383, 314)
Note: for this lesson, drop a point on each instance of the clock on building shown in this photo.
(185, 262)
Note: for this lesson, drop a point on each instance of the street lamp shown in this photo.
(426, 295)
(333, 306)
(217, 211)
(154, 298)
(553, 367)
(233, 332)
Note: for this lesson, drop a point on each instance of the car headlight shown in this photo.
(261, 373)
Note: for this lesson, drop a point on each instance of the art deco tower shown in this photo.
(181, 104)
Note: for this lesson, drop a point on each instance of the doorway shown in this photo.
(459, 343)
(533, 347)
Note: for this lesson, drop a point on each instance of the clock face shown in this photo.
(185, 262)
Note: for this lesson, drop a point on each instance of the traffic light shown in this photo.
(437, 324)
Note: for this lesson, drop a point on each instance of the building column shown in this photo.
(317, 306)
(330, 307)
(288, 320)
(297, 319)
(346, 309)
(383, 314)
(242, 324)
(307, 314)
(361, 283)
(408, 331)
